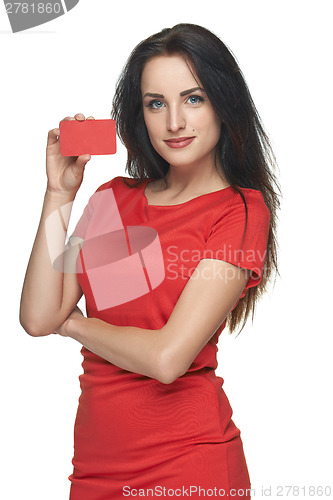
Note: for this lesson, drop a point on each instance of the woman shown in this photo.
(170, 255)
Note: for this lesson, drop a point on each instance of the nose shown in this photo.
(176, 119)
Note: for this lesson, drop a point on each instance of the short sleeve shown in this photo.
(225, 238)
(83, 223)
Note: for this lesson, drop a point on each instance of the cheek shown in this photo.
(153, 129)
(151, 124)
(215, 127)
(217, 130)
(211, 128)
(207, 120)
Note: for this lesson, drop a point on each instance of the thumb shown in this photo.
(82, 160)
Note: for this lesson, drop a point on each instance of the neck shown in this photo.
(182, 179)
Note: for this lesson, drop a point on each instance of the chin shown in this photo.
(178, 158)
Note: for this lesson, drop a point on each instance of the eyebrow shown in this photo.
(185, 92)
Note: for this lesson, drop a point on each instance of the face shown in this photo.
(181, 122)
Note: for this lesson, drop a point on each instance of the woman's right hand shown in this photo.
(64, 173)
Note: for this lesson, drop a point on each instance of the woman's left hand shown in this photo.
(64, 329)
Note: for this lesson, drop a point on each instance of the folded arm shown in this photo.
(167, 353)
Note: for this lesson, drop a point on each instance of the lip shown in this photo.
(179, 142)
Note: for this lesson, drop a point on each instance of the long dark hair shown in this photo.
(243, 149)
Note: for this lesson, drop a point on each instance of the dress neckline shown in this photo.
(178, 204)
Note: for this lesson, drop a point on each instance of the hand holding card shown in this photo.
(94, 137)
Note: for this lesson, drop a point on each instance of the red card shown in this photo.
(94, 137)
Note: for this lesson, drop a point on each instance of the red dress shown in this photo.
(133, 435)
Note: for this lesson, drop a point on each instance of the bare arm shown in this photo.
(49, 294)
(166, 354)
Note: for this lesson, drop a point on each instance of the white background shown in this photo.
(278, 372)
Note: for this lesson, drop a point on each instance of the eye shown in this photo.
(155, 104)
(195, 99)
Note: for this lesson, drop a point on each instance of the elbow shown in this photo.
(37, 324)
(167, 378)
(33, 328)
(33, 331)
(168, 369)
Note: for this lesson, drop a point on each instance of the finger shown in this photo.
(52, 136)
(90, 118)
(79, 117)
(82, 160)
(66, 119)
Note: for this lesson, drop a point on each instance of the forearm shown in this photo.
(134, 349)
(43, 284)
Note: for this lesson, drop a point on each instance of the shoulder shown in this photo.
(232, 212)
(115, 182)
(253, 195)
(120, 182)
(99, 193)
(117, 187)
(254, 199)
